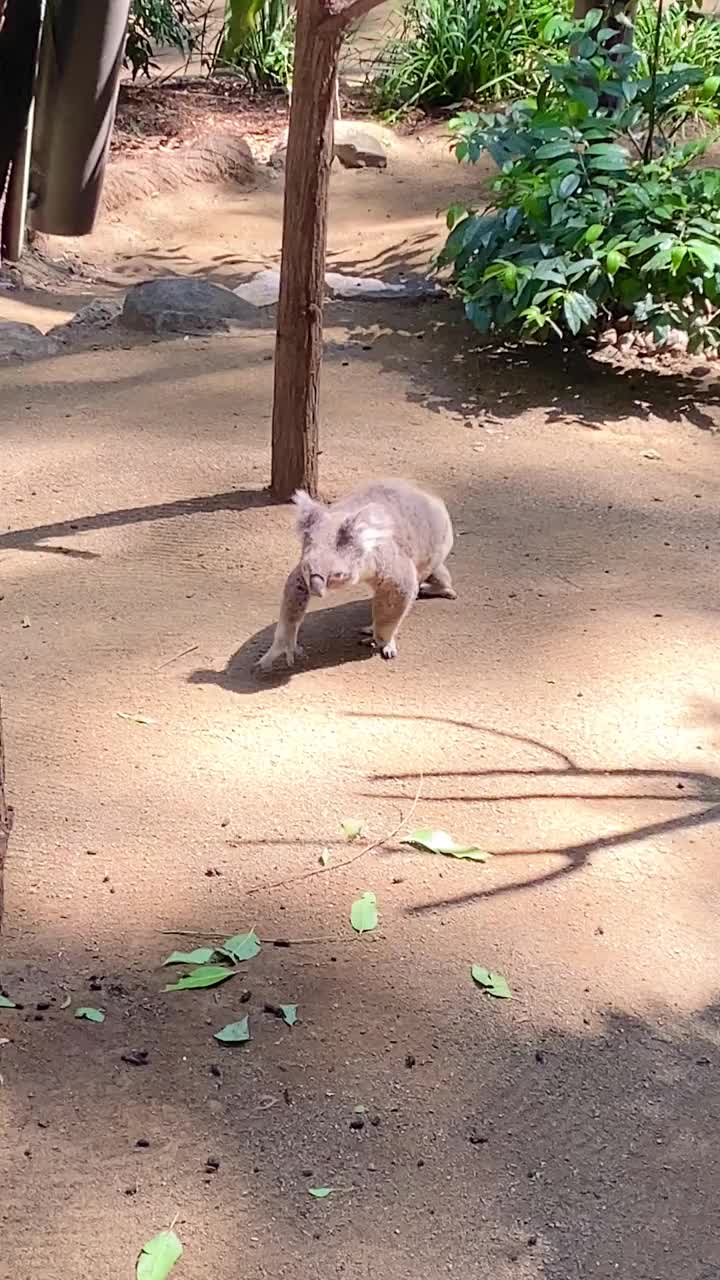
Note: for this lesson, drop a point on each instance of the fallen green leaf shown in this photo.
(234, 1032)
(7, 1003)
(289, 1013)
(360, 1110)
(242, 946)
(324, 858)
(206, 976)
(492, 983)
(321, 1193)
(441, 842)
(363, 913)
(158, 1257)
(92, 1015)
(352, 827)
(201, 955)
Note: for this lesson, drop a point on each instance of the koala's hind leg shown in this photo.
(293, 607)
(394, 598)
(438, 584)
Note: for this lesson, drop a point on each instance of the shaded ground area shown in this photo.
(562, 713)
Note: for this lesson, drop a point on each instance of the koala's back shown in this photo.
(420, 522)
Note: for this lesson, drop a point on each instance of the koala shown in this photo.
(390, 535)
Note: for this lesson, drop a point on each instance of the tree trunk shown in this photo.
(298, 350)
(5, 820)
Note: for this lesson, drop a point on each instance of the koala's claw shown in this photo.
(267, 662)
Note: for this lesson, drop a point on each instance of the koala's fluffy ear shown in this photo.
(308, 511)
(364, 530)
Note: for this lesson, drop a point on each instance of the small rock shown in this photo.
(215, 1071)
(182, 304)
(652, 454)
(24, 342)
(135, 1057)
(212, 1164)
(357, 148)
(143, 1143)
(626, 342)
(357, 1123)
(410, 1060)
(477, 1139)
(101, 313)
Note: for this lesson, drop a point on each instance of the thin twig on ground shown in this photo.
(268, 942)
(346, 862)
(176, 657)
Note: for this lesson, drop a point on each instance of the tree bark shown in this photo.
(5, 820)
(298, 349)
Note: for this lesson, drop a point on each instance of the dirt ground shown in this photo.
(563, 714)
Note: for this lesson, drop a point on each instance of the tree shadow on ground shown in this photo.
(565, 779)
(329, 638)
(452, 371)
(491, 1143)
(34, 539)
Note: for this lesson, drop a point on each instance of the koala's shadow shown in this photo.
(330, 638)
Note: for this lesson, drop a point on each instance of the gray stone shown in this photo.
(101, 313)
(262, 289)
(24, 342)
(357, 148)
(181, 304)
(368, 289)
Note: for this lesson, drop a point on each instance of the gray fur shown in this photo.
(390, 535)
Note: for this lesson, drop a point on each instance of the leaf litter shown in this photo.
(89, 1014)
(158, 1256)
(493, 984)
(440, 842)
(364, 913)
(234, 1032)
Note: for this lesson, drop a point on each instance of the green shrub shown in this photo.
(155, 23)
(581, 232)
(451, 50)
(259, 43)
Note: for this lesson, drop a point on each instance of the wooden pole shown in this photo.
(321, 25)
(298, 349)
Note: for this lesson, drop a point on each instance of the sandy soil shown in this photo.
(563, 714)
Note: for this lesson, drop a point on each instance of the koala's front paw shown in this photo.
(267, 662)
(389, 650)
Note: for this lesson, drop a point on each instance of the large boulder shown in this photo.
(181, 304)
(262, 289)
(369, 289)
(24, 342)
(357, 148)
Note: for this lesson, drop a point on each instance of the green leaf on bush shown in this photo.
(158, 1257)
(578, 309)
(494, 984)
(441, 842)
(363, 913)
(206, 976)
(201, 955)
